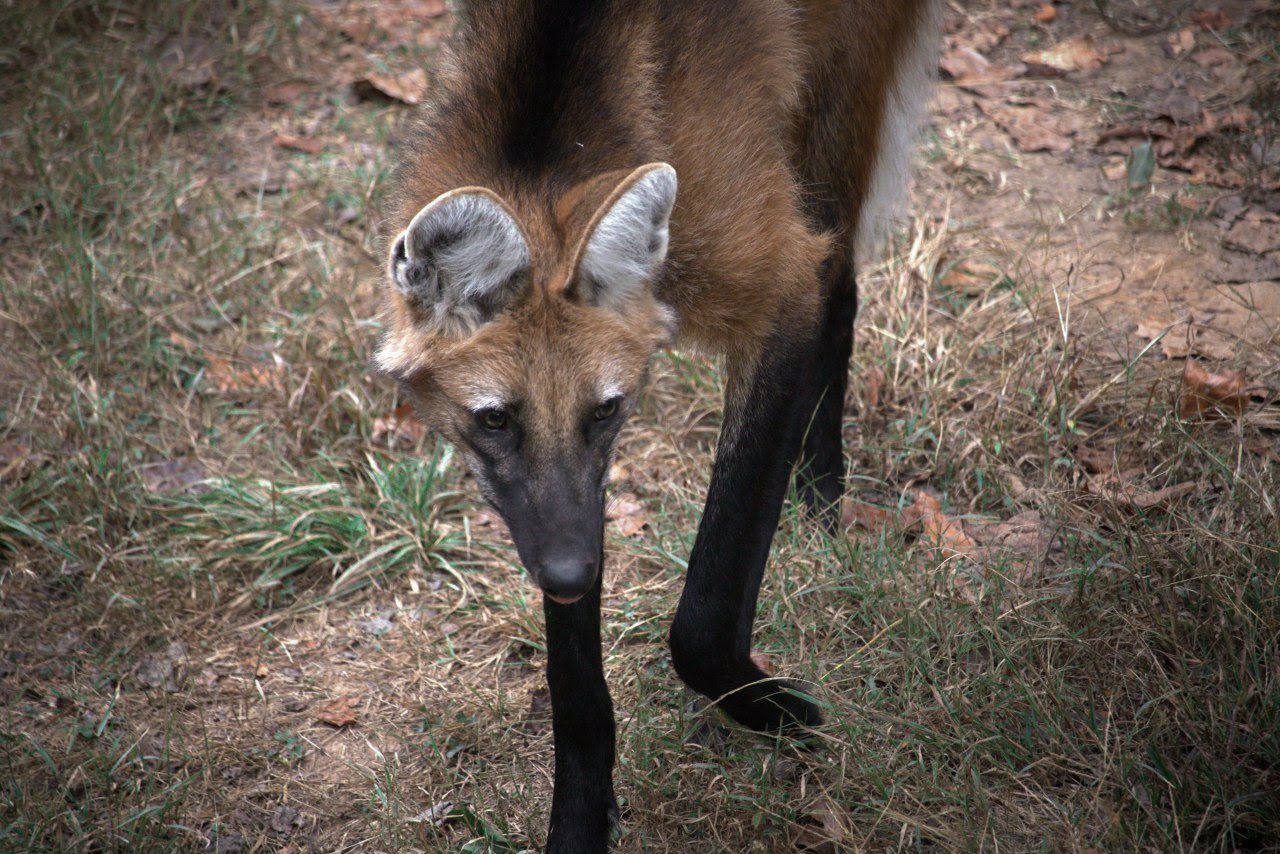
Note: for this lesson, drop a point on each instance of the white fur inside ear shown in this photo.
(462, 257)
(629, 242)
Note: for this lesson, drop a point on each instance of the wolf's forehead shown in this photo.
(549, 378)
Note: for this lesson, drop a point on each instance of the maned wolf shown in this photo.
(543, 256)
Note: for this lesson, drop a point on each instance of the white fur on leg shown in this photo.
(904, 112)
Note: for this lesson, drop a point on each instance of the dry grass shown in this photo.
(169, 648)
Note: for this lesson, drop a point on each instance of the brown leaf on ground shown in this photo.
(487, 517)
(1182, 339)
(982, 36)
(1017, 547)
(1206, 394)
(16, 459)
(399, 430)
(1211, 19)
(225, 378)
(298, 143)
(181, 474)
(409, 87)
(339, 712)
(1181, 41)
(627, 513)
(1211, 56)
(1107, 461)
(167, 669)
(869, 517)
(972, 276)
(765, 662)
(1046, 14)
(1238, 268)
(1074, 54)
(964, 63)
(283, 94)
(823, 828)
(188, 61)
(943, 533)
(1128, 495)
(873, 381)
(391, 18)
(359, 29)
(1032, 129)
(972, 71)
(221, 376)
(1254, 233)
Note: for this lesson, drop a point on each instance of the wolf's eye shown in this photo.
(492, 419)
(607, 409)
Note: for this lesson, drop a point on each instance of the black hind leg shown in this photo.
(822, 470)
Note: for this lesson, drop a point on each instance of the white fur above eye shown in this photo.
(629, 242)
(462, 258)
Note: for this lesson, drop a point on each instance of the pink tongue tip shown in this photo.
(564, 600)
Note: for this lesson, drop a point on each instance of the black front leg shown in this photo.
(583, 809)
(711, 633)
(821, 477)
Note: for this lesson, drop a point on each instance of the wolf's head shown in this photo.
(526, 344)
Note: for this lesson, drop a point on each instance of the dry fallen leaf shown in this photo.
(221, 376)
(823, 829)
(1074, 54)
(401, 429)
(867, 516)
(974, 72)
(964, 63)
(1128, 495)
(1211, 19)
(189, 60)
(937, 529)
(226, 378)
(1211, 56)
(765, 662)
(628, 513)
(409, 87)
(1032, 129)
(298, 143)
(1254, 234)
(181, 474)
(1182, 339)
(417, 12)
(1025, 532)
(1206, 394)
(972, 276)
(1181, 41)
(487, 517)
(339, 712)
(1046, 14)
(283, 94)
(873, 381)
(16, 458)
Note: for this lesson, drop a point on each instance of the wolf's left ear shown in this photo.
(626, 241)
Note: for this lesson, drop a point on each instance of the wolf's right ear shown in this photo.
(462, 259)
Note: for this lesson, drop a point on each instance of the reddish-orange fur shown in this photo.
(769, 115)
(570, 114)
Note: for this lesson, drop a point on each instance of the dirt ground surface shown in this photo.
(247, 605)
(1044, 156)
